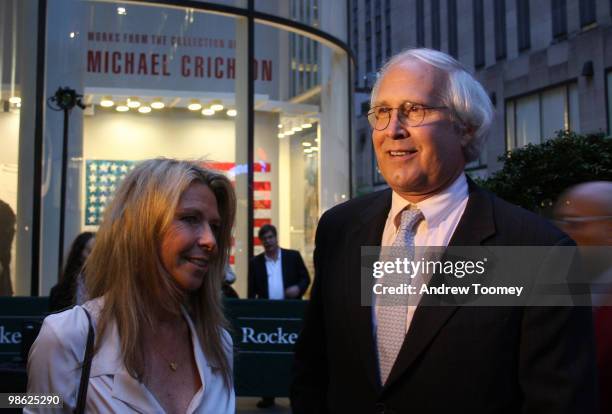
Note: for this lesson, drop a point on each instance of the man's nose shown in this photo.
(395, 129)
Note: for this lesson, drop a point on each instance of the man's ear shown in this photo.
(466, 132)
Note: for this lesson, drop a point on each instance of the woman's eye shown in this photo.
(189, 219)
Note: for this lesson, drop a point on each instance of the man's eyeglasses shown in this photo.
(408, 114)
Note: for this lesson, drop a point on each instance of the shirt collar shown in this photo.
(278, 257)
(435, 209)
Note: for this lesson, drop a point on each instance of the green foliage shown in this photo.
(534, 176)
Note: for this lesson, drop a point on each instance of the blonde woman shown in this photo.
(155, 277)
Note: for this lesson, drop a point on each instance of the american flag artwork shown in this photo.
(104, 176)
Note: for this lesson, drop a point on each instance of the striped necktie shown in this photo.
(392, 310)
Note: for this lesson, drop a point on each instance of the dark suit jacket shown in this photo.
(294, 273)
(453, 359)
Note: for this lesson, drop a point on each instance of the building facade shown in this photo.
(545, 64)
(257, 89)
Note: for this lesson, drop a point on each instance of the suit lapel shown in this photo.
(263, 275)
(367, 232)
(285, 269)
(476, 224)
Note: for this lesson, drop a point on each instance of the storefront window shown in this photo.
(154, 81)
(17, 107)
(296, 127)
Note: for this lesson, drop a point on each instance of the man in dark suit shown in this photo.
(276, 274)
(429, 118)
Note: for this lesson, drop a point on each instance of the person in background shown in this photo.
(7, 232)
(154, 278)
(276, 274)
(70, 290)
(227, 289)
(584, 212)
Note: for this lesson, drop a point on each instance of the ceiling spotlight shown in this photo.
(121, 11)
(280, 126)
(107, 102)
(194, 105)
(306, 144)
(281, 135)
(290, 132)
(296, 128)
(122, 108)
(307, 150)
(208, 112)
(144, 109)
(133, 102)
(306, 125)
(15, 100)
(314, 148)
(232, 112)
(157, 104)
(216, 105)
(72, 35)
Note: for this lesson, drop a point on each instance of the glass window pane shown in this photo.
(17, 122)
(303, 11)
(301, 133)
(510, 125)
(158, 82)
(528, 120)
(554, 111)
(574, 107)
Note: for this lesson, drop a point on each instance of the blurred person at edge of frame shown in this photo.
(70, 290)
(7, 233)
(584, 212)
(154, 276)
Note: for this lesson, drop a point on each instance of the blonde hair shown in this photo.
(126, 269)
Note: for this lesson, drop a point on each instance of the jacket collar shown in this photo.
(108, 362)
(475, 226)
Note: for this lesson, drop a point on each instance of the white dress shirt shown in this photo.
(441, 213)
(274, 269)
(56, 355)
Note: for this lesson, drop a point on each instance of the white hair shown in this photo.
(463, 95)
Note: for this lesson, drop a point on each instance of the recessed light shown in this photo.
(107, 102)
(208, 112)
(194, 105)
(306, 144)
(133, 102)
(232, 112)
(122, 108)
(157, 104)
(216, 105)
(15, 100)
(144, 109)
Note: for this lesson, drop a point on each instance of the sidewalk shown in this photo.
(247, 405)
